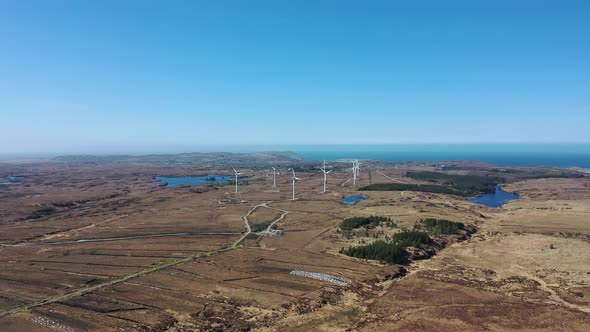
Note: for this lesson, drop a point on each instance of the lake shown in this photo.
(496, 199)
(351, 200)
(10, 180)
(169, 182)
(78, 208)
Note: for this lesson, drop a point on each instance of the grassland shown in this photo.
(170, 253)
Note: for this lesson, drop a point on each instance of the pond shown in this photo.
(10, 180)
(351, 200)
(79, 208)
(496, 199)
(169, 182)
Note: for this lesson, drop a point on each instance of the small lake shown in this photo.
(78, 208)
(351, 200)
(495, 200)
(10, 180)
(169, 182)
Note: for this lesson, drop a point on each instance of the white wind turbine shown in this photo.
(354, 172)
(237, 173)
(294, 178)
(274, 177)
(324, 169)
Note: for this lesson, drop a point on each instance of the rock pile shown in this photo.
(48, 323)
(321, 276)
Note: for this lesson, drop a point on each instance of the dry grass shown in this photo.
(505, 277)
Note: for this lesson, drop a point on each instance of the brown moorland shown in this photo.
(92, 246)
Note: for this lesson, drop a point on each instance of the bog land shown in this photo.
(92, 243)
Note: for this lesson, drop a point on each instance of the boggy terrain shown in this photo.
(99, 246)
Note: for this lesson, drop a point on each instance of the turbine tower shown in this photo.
(294, 178)
(324, 169)
(274, 177)
(237, 173)
(354, 172)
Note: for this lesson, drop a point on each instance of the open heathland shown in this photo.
(94, 245)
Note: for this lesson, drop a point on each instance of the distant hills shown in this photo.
(257, 159)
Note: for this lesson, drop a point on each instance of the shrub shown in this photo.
(442, 226)
(366, 222)
(386, 252)
(466, 185)
(430, 188)
(411, 238)
(251, 236)
(260, 226)
(391, 223)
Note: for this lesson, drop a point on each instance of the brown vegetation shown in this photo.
(524, 269)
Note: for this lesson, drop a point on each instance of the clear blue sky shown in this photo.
(79, 75)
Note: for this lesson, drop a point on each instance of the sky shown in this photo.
(84, 76)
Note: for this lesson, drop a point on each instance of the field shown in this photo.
(98, 246)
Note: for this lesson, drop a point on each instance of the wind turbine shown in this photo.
(237, 173)
(325, 171)
(294, 178)
(354, 172)
(274, 177)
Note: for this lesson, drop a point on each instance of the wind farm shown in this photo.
(284, 257)
(293, 166)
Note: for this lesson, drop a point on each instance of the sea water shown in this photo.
(557, 155)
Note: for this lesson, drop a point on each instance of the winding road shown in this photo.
(390, 178)
(281, 217)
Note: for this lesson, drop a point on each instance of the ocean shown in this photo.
(557, 155)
